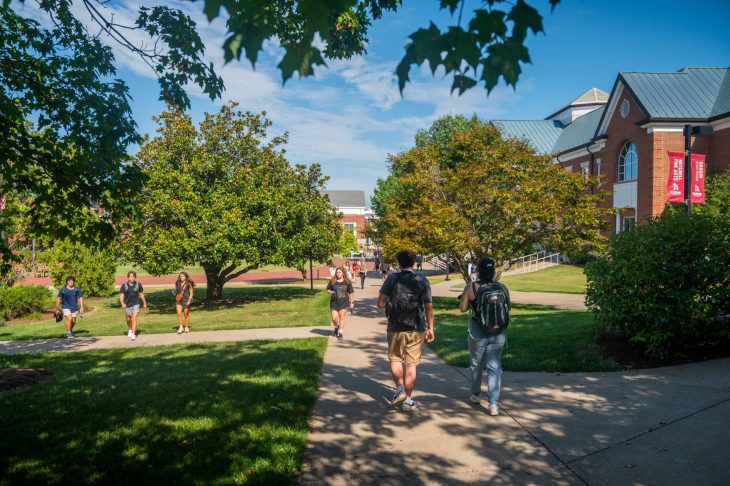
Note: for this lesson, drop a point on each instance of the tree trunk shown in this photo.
(215, 283)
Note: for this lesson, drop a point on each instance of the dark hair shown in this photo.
(188, 280)
(406, 258)
(132, 272)
(70, 277)
(485, 269)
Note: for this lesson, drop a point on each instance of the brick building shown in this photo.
(354, 211)
(624, 136)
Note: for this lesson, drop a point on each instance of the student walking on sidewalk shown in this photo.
(70, 301)
(130, 294)
(406, 296)
(183, 297)
(341, 291)
(490, 305)
(363, 271)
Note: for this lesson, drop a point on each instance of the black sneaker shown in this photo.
(337, 331)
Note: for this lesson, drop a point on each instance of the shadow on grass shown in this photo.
(196, 414)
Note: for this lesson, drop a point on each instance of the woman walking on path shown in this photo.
(340, 290)
(363, 271)
(484, 345)
(183, 297)
(348, 270)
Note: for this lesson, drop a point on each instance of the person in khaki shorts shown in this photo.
(406, 298)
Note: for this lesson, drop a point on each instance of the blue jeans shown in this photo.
(484, 348)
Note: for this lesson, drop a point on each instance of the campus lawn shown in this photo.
(186, 414)
(538, 339)
(567, 279)
(252, 306)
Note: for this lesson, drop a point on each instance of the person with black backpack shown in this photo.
(490, 305)
(131, 293)
(406, 298)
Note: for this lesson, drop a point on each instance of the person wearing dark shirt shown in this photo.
(130, 294)
(70, 301)
(484, 348)
(341, 291)
(407, 296)
(183, 297)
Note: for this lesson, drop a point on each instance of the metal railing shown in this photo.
(534, 262)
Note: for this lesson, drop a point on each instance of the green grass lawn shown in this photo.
(566, 279)
(254, 306)
(538, 339)
(234, 413)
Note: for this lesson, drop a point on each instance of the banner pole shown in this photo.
(688, 167)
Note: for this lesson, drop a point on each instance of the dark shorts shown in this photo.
(183, 304)
(339, 307)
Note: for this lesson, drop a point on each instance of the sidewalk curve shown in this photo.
(552, 299)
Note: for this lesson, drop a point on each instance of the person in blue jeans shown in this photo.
(484, 348)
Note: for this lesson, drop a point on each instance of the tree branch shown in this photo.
(240, 272)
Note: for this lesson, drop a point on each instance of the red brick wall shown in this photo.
(719, 155)
(358, 219)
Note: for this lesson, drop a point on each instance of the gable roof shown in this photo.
(541, 134)
(346, 199)
(692, 93)
(592, 96)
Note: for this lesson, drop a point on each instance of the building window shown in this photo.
(627, 163)
(584, 170)
(351, 227)
(569, 168)
(598, 167)
(629, 223)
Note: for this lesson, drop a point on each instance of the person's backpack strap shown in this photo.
(124, 288)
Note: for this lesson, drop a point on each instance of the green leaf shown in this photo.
(524, 16)
(462, 83)
(300, 58)
(488, 24)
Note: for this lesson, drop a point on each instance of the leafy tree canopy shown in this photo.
(486, 46)
(493, 197)
(223, 196)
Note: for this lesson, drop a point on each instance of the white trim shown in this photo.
(598, 167)
(720, 124)
(664, 130)
(610, 108)
(591, 149)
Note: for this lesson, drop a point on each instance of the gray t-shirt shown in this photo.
(387, 290)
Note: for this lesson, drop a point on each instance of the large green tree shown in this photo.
(485, 195)
(223, 196)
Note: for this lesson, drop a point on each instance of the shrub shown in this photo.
(93, 268)
(665, 283)
(19, 301)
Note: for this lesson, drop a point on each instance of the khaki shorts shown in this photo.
(405, 346)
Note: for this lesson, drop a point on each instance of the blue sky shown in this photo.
(350, 116)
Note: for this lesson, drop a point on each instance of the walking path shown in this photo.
(144, 340)
(554, 299)
(664, 426)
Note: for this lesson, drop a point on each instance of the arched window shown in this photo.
(627, 163)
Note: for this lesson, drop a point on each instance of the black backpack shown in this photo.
(406, 301)
(490, 308)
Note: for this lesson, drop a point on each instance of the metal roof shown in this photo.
(541, 134)
(580, 132)
(346, 199)
(688, 93)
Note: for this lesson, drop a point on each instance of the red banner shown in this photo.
(675, 186)
(697, 193)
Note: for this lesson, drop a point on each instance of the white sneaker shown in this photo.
(399, 397)
(475, 399)
(493, 410)
(129, 333)
(133, 337)
(408, 405)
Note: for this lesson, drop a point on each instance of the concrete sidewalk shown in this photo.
(553, 299)
(144, 340)
(663, 426)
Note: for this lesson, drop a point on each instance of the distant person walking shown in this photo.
(377, 264)
(363, 267)
(70, 302)
(348, 269)
(419, 266)
(130, 294)
(383, 270)
(183, 297)
(489, 304)
(406, 296)
(341, 292)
